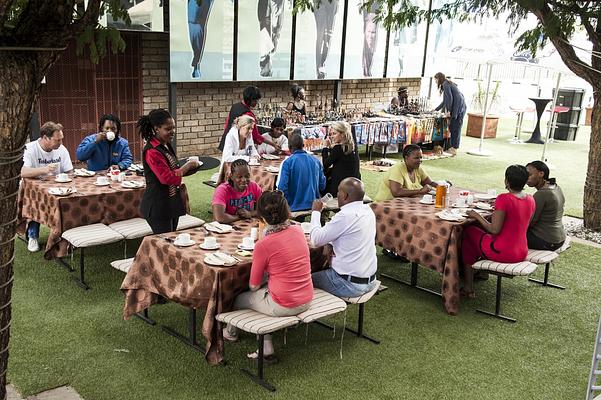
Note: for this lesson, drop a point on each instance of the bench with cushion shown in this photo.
(89, 236)
(523, 268)
(251, 321)
(545, 257)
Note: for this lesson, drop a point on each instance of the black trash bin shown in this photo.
(567, 123)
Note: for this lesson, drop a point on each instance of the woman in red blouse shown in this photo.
(162, 203)
(504, 238)
(282, 255)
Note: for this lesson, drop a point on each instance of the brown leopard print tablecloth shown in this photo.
(91, 204)
(179, 274)
(412, 230)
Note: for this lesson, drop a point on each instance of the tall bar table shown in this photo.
(541, 104)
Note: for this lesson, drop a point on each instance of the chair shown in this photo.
(595, 372)
(523, 268)
(543, 257)
(188, 221)
(251, 321)
(89, 236)
(133, 228)
(124, 266)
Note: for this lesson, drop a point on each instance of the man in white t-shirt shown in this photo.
(45, 156)
(276, 136)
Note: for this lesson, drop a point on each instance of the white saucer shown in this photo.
(242, 247)
(188, 244)
(102, 184)
(202, 246)
(61, 191)
(254, 164)
(63, 181)
(427, 202)
(483, 206)
(222, 228)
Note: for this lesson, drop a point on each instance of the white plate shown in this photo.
(187, 244)
(426, 202)
(132, 184)
(450, 217)
(61, 191)
(483, 206)
(213, 259)
(242, 247)
(272, 169)
(484, 196)
(215, 247)
(254, 164)
(218, 228)
(102, 184)
(63, 180)
(83, 172)
(270, 156)
(455, 205)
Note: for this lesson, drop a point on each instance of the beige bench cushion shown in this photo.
(91, 235)
(132, 228)
(254, 322)
(541, 256)
(364, 297)
(518, 269)
(188, 221)
(123, 265)
(323, 304)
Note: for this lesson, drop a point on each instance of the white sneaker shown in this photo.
(33, 245)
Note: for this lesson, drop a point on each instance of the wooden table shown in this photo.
(180, 274)
(89, 205)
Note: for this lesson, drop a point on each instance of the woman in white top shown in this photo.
(239, 143)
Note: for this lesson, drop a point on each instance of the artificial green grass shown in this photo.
(63, 335)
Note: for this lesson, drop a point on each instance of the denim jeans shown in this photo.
(33, 230)
(331, 282)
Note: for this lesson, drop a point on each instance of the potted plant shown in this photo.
(474, 119)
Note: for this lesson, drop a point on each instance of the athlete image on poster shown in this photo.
(325, 18)
(198, 16)
(270, 14)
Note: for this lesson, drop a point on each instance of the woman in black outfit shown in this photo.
(340, 158)
(298, 99)
(162, 203)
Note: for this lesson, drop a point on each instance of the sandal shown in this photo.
(228, 337)
(267, 359)
(468, 294)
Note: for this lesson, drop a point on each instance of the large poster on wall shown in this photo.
(264, 39)
(365, 42)
(201, 40)
(406, 48)
(318, 41)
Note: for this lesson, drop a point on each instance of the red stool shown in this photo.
(518, 126)
(556, 111)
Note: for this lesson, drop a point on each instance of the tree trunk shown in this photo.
(592, 185)
(21, 73)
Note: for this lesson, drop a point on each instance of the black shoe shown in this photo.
(394, 256)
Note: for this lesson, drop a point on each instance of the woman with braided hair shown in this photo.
(282, 254)
(162, 203)
(236, 199)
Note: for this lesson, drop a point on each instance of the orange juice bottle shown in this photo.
(441, 195)
(261, 230)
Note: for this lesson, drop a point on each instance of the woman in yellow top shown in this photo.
(405, 179)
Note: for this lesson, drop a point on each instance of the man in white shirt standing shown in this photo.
(352, 234)
(45, 156)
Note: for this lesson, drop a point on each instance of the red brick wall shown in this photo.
(203, 106)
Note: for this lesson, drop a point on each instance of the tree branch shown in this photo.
(566, 51)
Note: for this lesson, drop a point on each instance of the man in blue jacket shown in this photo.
(106, 148)
(301, 177)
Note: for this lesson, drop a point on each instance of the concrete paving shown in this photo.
(59, 393)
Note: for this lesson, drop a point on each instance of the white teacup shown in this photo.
(460, 201)
(110, 136)
(62, 177)
(491, 192)
(210, 241)
(248, 241)
(102, 180)
(254, 233)
(183, 238)
(427, 198)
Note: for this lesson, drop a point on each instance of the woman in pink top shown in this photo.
(283, 256)
(503, 239)
(236, 199)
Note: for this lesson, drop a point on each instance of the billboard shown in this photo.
(406, 48)
(201, 40)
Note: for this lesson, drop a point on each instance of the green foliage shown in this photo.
(480, 97)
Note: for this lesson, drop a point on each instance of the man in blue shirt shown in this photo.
(301, 177)
(106, 148)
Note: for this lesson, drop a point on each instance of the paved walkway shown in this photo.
(59, 393)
